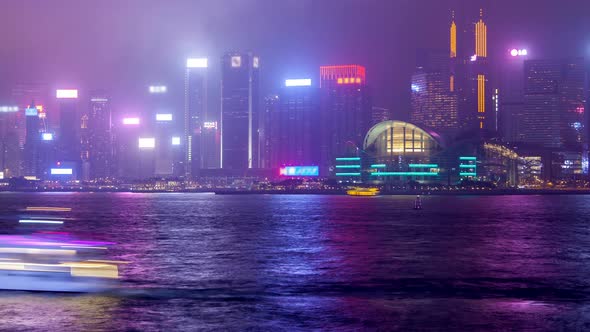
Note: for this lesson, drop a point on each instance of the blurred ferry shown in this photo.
(54, 261)
(363, 192)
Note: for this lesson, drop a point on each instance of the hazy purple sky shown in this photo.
(126, 45)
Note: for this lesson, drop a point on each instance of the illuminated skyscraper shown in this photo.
(239, 111)
(511, 96)
(211, 140)
(294, 126)
(345, 111)
(68, 150)
(160, 122)
(199, 151)
(270, 107)
(32, 166)
(434, 101)
(554, 112)
(469, 76)
(433, 105)
(10, 151)
(100, 137)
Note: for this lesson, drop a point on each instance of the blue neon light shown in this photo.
(404, 174)
(348, 159)
(300, 171)
(423, 165)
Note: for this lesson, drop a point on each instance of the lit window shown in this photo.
(236, 61)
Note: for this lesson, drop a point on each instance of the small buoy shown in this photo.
(418, 203)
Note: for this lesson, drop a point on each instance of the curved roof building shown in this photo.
(391, 139)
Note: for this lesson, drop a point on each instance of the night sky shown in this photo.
(126, 45)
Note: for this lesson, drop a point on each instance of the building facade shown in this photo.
(294, 126)
(345, 108)
(195, 114)
(240, 111)
(100, 137)
(69, 143)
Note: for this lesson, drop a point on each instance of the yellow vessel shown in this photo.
(363, 192)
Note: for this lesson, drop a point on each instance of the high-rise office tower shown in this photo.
(68, 149)
(510, 98)
(210, 142)
(195, 112)
(239, 111)
(128, 131)
(100, 137)
(21, 95)
(294, 126)
(554, 103)
(554, 111)
(469, 76)
(161, 123)
(271, 106)
(434, 100)
(10, 151)
(345, 112)
(433, 105)
(32, 166)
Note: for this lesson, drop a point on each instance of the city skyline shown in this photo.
(150, 48)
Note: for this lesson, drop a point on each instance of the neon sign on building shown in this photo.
(300, 171)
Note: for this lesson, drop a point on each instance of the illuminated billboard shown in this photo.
(66, 94)
(31, 111)
(196, 63)
(1, 175)
(47, 136)
(210, 125)
(516, 52)
(300, 171)
(8, 109)
(298, 82)
(175, 140)
(62, 171)
(163, 117)
(158, 89)
(131, 121)
(147, 143)
(255, 62)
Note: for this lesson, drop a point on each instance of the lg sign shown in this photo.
(515, 52)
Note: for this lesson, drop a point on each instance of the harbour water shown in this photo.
(281, 262)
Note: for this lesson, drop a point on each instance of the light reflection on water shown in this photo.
(322, 262)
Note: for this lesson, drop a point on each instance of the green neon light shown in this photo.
(467, 158)
(404, 174)
(468, 166)
(468, 174)
(348, 159)
(348, 174)
(423, 165)
(378, 166)
(348, 166)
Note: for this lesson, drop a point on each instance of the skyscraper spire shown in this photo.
(453, 39)
(481, 30)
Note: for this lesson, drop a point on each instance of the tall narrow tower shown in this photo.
(453, 52)
(239, 110)
(480, 59)
(195, 105)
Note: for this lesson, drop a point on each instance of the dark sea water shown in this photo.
(274, 262)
